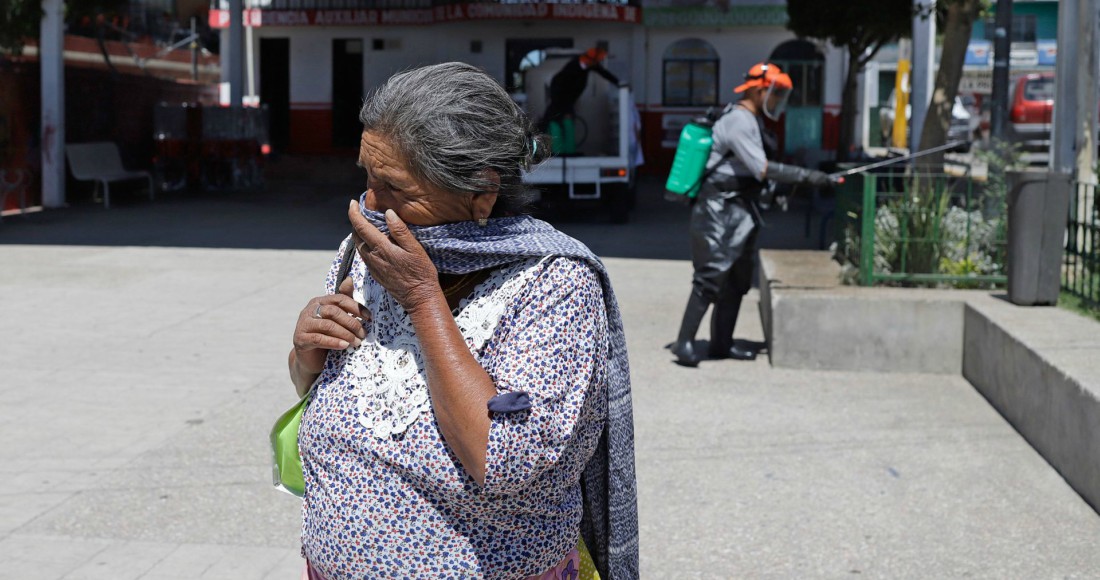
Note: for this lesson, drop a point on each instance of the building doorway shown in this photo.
(275, 89)
(804, 121)
(347, 91)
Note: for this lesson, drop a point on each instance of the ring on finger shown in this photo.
(317, 311)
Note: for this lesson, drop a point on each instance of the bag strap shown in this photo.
(345, 263)
(345, 266)
(710, 170)
(729, 152)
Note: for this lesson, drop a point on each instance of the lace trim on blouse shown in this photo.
(388, 368)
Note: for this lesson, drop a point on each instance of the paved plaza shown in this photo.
(144, 360)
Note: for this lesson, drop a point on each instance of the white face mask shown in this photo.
(779, 97)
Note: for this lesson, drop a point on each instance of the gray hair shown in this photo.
(452, 122)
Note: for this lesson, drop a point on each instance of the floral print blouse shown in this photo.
(385, 496)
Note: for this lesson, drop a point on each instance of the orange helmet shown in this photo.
(765, 75)
(593, 56)
(777, 85)
(784, 81)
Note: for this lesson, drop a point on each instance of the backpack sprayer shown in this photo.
(689, 166)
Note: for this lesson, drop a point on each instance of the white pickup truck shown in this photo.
(602, 173)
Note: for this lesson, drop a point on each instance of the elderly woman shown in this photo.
(470, 413)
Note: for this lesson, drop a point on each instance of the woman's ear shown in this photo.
(483, 202)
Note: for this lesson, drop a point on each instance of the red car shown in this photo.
(1032, 111)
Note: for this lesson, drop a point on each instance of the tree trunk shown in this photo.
(956, 36)
(848, 104)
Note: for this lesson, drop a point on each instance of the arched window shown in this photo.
(806, 65)
(690, 74)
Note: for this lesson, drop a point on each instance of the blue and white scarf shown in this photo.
(610, 522)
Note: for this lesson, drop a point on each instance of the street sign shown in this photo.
(976, 82)
(979, 53)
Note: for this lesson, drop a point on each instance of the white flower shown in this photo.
(382, 428)
(401, 361)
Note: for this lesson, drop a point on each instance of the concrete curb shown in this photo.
(1049, 393)
(869, 329)
(1037, 366)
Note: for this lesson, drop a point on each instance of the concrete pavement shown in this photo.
(143, 362)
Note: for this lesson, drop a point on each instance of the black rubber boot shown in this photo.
(722, 323)
(684, 347)
(738, 353)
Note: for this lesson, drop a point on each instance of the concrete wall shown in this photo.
(812, 322)
(412, 46)
(864, 333)
(1038, 366)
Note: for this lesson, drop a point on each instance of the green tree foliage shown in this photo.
(861, 28)
(20, 20)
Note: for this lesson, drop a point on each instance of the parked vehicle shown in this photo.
(1032, 114)
(215, 148)
(961, 128)
(602, 173)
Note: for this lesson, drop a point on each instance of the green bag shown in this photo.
(286, 469)
(286, 466)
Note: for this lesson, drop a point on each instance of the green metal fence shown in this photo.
(922, 229)
(1081, 271)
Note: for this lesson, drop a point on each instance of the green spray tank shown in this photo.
(689, 165)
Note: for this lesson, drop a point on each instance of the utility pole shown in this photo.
(1064, 131)
(194, 50)
(1073, 137)
(902, 88)
(924, 58)
(1087, 13)
(51, 56)
(250, 60)
(233, 54)
(1002, 47)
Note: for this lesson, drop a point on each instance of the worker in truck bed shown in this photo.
(725, 217)
(566, 87)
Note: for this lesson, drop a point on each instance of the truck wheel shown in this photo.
(620, 200)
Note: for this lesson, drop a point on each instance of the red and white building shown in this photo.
(312, 61)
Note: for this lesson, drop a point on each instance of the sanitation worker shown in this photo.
(566, 86)
(725, 217)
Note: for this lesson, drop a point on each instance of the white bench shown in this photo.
(100, 162)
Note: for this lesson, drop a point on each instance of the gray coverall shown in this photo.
(723, 227)
(723, 231)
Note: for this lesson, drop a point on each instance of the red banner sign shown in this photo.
(450, 13)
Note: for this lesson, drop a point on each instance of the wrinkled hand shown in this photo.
(397, 262)
(330, 322)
